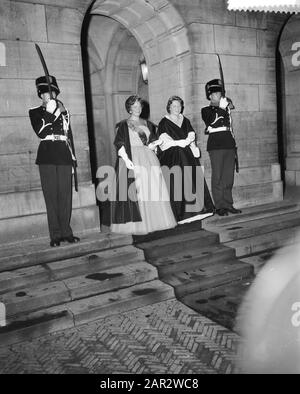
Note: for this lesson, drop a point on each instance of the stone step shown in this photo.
(256, 227)
(30, 253)
(125, 299)
(110, 279)
(180, 242)
(259, 260)
(91, 263)
(57, 292)
(252, 213)
(82, 311)
(208, 276)
(192, 259)
(221, 303)
(255, 245)
(179, 229)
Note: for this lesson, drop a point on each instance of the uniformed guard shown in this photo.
(55, 158)
(221, 147)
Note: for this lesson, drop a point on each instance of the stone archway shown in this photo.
(114, 74)
(289, 51)
(134, 28)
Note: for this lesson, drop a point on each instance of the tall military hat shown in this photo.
(215, 85)
(42, 85)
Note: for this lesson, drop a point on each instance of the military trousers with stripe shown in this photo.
(56, 181)
(222, 176)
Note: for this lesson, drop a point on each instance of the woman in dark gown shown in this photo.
(178, 153)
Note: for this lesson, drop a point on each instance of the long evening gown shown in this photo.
(152, 194)
(192, 179)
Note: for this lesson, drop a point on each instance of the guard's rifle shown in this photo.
(230, 105)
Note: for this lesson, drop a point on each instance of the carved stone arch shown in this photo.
(161, 33)
(162, 37)
(118, 69)
(112, 80)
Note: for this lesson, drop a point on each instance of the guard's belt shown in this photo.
(217, 129)
(54, 137)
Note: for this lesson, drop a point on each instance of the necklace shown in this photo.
(134, 123)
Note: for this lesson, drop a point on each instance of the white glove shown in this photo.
(154, 144)
(195, 150)
(168, 142)
(223, 103)
(51, 106)
(158, 142)
(129, 164)
(181, 143)
(122, 153)
(191, 136)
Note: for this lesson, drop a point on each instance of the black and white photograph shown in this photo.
(149, 190)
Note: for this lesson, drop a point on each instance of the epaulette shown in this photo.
(34, 107)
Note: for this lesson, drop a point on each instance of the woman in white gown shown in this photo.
(145, 206)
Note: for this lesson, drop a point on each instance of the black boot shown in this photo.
(234, 210)
(55, 242)
(222, 212)
(71, 239)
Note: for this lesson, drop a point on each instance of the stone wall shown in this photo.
(56, 27)
(57, 31)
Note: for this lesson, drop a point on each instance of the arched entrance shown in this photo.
(114, 74)
(116, 36)
(289, 46)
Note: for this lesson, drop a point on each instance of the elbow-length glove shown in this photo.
(122, 153)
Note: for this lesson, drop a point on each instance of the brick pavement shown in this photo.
(163, 338)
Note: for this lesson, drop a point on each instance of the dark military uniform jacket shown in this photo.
(218, 127)
(46, 124)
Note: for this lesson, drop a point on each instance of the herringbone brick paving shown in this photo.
(164, 338)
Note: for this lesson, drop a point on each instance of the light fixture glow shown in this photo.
(144, 70)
